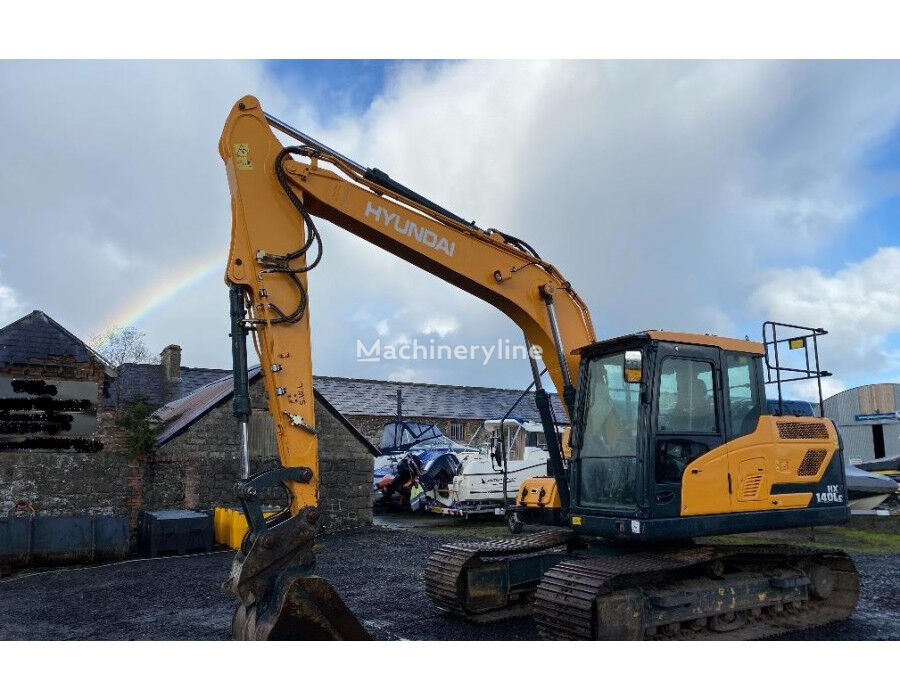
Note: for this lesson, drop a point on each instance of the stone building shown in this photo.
(62, 452)
(53, 427)
(197, 458)
(160, 383)
(196, 461)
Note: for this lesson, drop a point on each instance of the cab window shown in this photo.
(606, 446)
(687, 401)
(744, 405)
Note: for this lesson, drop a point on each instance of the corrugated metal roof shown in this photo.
(844, 406)
(857, 435)
(177, 415)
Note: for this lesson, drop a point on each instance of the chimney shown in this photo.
(170, 359)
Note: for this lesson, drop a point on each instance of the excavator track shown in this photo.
(714, 592)
(473, 580)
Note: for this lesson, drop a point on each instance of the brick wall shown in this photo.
(58, 368)
(197, 468)
(346, 468)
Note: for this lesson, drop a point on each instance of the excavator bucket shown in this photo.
(310, 609)
(280, 598)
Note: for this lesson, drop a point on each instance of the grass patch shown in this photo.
(826, 537)
(849, 539)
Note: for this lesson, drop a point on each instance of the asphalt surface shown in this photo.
(378, 571)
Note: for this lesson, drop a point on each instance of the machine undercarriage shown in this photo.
(579, 589)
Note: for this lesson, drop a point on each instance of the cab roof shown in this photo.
(733, 344)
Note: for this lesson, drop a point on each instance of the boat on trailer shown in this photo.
(402, 437)
(490, 479)
(458, 480)
(411, 452)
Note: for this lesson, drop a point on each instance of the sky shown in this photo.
(692, 196)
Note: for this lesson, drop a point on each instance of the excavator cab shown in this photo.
(672, 438)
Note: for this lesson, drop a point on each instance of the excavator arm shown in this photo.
(275, 193)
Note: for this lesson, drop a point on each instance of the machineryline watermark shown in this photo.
(503, 349)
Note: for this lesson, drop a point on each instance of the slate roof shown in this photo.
(37, 338)
(176, 416)
(356, 397)
(179, 414)
(373, 397)
(149, 380)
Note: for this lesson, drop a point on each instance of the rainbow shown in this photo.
(143, 303)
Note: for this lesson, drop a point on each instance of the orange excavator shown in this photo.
(671, 436)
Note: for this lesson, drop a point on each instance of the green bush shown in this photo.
(140, 435)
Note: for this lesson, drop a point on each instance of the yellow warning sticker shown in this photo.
(242, 156)
(576, 520)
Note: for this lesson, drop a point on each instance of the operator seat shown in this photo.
(691, 407)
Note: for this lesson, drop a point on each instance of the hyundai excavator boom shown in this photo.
(274, 244)
(670, 433)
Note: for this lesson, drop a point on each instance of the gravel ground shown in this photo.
(376, 570)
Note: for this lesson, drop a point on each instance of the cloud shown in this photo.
(664, 191)
(114, 254)
(406, 374)
(439, 325)
(112, 179)
(859, 306)
(10, 306)
(809, 391)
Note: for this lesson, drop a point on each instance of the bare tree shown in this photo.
(123, 344)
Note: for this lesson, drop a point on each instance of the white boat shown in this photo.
(482, 480)
(868, 490)
(460, 480)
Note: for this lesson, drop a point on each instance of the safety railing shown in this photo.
(781, 341)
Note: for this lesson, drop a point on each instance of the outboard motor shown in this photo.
(439, 472)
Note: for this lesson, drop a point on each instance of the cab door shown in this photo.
(687, 419)
(744, 393)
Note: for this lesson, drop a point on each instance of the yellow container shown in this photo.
(230, 525)
(219, 517)
(237, 528)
